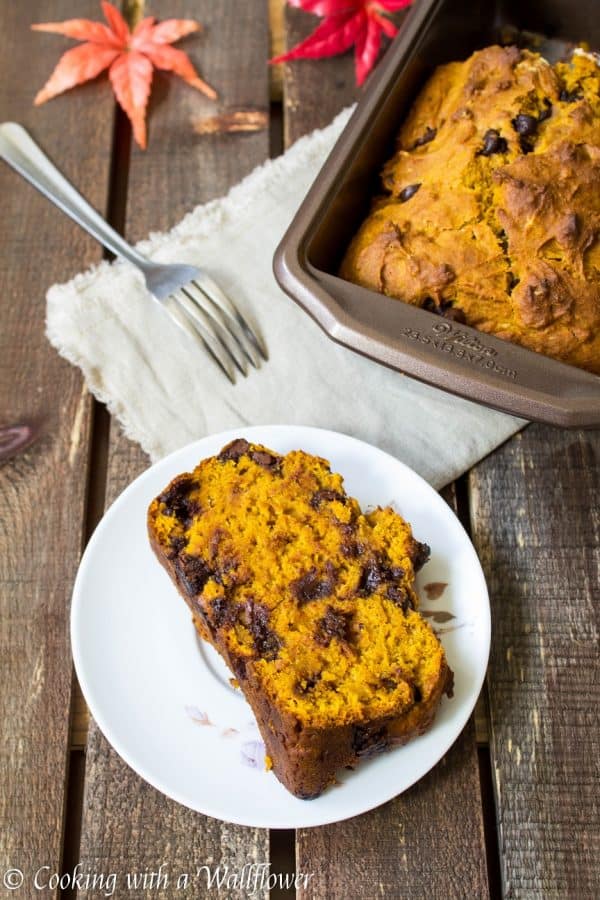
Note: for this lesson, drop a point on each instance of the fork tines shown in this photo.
(226, 334)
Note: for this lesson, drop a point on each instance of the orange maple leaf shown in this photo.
(130, 58)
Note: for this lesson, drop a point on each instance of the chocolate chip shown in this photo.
(177, 502)
(367, 741)
(178, 488)
(570, 96)
(454, 314)
(375, 573)
(238, 664)
(444, 308)
(348, 529)
(193, 573)
(400, 597)
(233, 451)
(305, 685)
(265, 460)
(526, 144)
(351, 548)
(227, 565)
(425, 138)
(312, 587)
(266, 642)
(223, 612)
(492, 143)
(409, 191)
(176, 546)
(371, 577)
(525, 125)
(334, 624)
(326, 495)
(390, 684)
(214, 541)
(419, 553)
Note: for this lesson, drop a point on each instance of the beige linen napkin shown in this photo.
(166, 393)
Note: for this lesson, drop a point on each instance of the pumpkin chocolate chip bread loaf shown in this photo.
(310, 602)
(490, 213)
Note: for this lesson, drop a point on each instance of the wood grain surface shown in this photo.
(536, 525)
(429, 842)
(534, 515)
(127, 825)
(313, 92)
(43, 490)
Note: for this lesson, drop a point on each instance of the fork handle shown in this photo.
(21, 152)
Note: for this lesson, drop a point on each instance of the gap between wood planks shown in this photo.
(486, 781)
(95, 502)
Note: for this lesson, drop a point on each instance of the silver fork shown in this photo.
(188, 294)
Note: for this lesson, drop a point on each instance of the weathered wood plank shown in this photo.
(537, 529)
(277, 44)
(127, 825)
(427, 843)
(313, 92)
(430, 841)
(43, 490)
(182, 168)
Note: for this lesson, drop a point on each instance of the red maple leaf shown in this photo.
(130, 58)
(346, 23)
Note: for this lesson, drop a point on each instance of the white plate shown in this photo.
(150, 683)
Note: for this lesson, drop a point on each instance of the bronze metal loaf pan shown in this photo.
(454, 357)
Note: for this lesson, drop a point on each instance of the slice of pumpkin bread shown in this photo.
(311, 603)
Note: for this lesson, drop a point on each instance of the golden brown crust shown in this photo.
(314, 631)
(491, 210)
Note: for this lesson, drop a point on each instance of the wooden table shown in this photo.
(513, 809)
